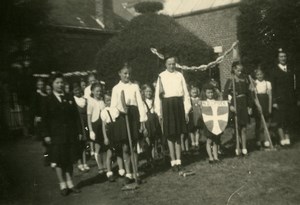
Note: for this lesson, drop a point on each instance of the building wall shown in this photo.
(216, 27)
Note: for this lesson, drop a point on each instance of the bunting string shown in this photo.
(201, 67)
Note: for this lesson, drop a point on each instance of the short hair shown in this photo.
(234, 65)
(126, 65)
(56, 76)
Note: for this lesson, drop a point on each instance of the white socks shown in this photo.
(62, 185)
(175, 162)
(109, 174)
(70, 184)
(285, 142)
(121, 172)
(129, 175)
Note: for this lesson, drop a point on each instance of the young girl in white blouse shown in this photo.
(264, 94)
(135, 112)
(94, 108)
(172, 105)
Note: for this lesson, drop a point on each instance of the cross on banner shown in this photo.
(215, 115)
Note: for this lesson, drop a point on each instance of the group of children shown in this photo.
(141, 119)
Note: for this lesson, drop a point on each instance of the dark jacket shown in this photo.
(37, 101)
(61, 120)
(283, 86)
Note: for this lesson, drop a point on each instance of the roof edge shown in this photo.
(78, 29)
(208, 10)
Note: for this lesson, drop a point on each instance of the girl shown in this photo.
(212, 140)
(172, 105)
(82, 109)
(48, 89)
(152, 124)
(243, 101)
(108, 116)
(264, 94)
(94, 108)
(61, 131)
(194, 122)
(87, 95)
(135, 112)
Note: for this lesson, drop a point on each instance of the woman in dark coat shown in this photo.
(284, 97)
(61, 131)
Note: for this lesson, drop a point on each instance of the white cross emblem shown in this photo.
(215, 117)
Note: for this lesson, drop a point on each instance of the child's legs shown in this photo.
(108, 160)
(126, 157)
(83, 157)
(182, 140)
(186, 143)
(215, 151)
(98, 156)
(192, 136)
(178, 150)
(172, 150)
(120, 163)
(208, 149)
(244, 137)
(258, 128)
(60, 175)
(197, 136)
(103, 156)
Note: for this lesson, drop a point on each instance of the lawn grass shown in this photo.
(263, 177)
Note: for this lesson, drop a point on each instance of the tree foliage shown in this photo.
(264, 26)
(148, 7)
(152, 30)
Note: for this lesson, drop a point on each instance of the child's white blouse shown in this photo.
(94, 108)
(132, 97)
(263, 87)
(174, 85)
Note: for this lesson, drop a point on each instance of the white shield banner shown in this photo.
(215, 115)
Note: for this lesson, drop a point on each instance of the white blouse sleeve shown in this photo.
(157, 100)
(269, 86)
(140, 104)
(186, 97)
(90, 107)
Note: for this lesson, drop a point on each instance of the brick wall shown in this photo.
(216, 27)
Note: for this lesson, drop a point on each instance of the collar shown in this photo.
(58, 94)
(283, 67)
(121, 83)
(41, 93)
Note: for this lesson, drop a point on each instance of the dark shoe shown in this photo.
(211, 161)
(174, 168)
(64, 192)
(179, 168)
(74, 190)
(128, 181)
(217, 161)
(111, 178)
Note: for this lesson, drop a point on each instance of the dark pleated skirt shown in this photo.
(64, 155)
(153, 127)
(242, 111)
(264, 103)
(117, 130)
(174, 123)
(97, 128)
(215, 138)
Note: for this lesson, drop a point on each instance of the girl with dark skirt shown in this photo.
(152, 124)
(81, 103)
(172, 105)
(243, 101)
(94, 109)
(264, 95)
(136, 114)
(61, 130)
